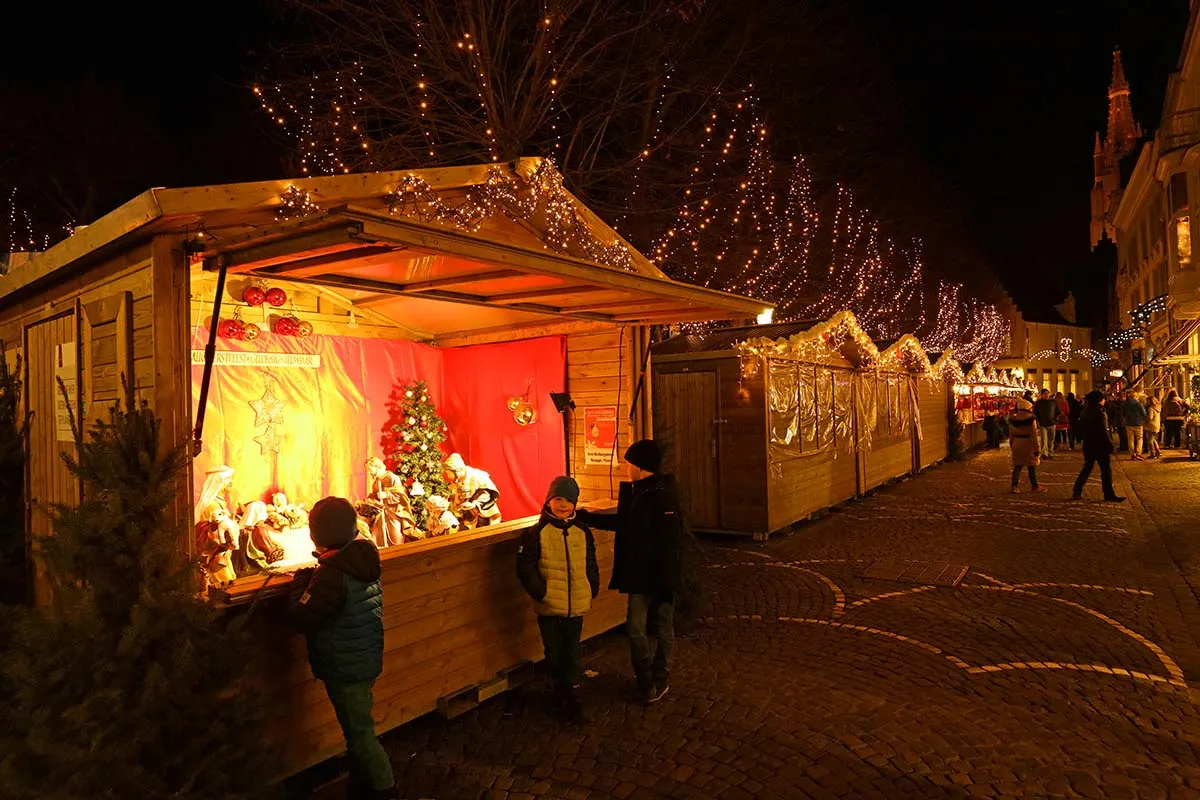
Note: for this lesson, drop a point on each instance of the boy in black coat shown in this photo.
(646, 562)
(339, 606)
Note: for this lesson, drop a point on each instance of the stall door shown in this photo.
(50, 354)
(686, 420)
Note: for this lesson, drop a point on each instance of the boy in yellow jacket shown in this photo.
(557, 565)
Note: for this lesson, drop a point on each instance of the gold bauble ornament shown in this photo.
(513, 402)
(304, 328)
(525, 414)
(252, 331)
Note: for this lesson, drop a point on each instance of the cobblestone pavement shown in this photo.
(1061, 666)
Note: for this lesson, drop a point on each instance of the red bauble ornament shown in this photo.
(276, 296)
(229, 329)
(254, 296)
(285, 326)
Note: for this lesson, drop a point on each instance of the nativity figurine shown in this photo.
(473, 494)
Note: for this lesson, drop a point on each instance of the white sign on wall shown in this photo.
(229, 358)
(65, 371)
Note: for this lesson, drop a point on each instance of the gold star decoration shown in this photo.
(268, 409)
(268, 440)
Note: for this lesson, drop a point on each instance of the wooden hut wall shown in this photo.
(602, 370)
(103, 319)
(891, 453)
(934, 401)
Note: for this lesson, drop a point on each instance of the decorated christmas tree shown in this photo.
(129, 684)
(412, 443)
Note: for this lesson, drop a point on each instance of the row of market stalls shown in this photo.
(294, 332)
(769, 424)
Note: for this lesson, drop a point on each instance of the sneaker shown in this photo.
(1076, 498)
(1015, 490)
(1039, 490)
(1115, 499)
(658, 692)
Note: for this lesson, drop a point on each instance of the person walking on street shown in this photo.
(1062, 423)
(1045, 411)
(1174, 414)
(1134, 414)
(1116, 420)
(1074, 408)
(1153, 426)
(556, 563)
(1097, 448)
(647, 562)
(1024, 445)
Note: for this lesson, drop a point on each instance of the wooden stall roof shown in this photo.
(505, 274)
(840, 336)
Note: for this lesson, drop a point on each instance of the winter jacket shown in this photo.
(1064, 415)
(1022, 437)
(1174, 409)
(1133, 412)
(557, 566)
(339, 606)
(1046, 412)
(1093, 432)
(1076, 408)
(649, 528)
(1153, 419)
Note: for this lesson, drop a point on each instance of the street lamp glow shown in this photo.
(766, 316)
(1117, 373)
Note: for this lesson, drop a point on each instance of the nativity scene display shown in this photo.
(414, 491)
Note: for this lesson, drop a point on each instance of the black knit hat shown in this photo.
(564, 487)
(332, 523)
(645, 455)
(1094, 397)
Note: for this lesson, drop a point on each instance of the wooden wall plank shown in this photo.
(168, 345)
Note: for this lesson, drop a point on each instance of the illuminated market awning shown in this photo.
(410, 270)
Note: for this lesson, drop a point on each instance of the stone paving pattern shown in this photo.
(1062, 665)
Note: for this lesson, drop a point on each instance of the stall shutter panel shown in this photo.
(51, 354)
(108, 353)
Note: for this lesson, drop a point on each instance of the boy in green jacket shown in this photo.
(557, 565)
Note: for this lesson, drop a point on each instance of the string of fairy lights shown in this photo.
(746, 223)
(754, 238)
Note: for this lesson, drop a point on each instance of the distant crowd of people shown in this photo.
(1141, 424)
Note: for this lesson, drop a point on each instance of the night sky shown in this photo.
(991, 108)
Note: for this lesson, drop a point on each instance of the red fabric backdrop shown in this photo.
(332, 415)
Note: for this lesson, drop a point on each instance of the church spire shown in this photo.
(1123, 130)
(1118, 76)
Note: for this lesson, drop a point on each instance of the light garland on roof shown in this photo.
(830, 340)
(295, 202)
(542, 198)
